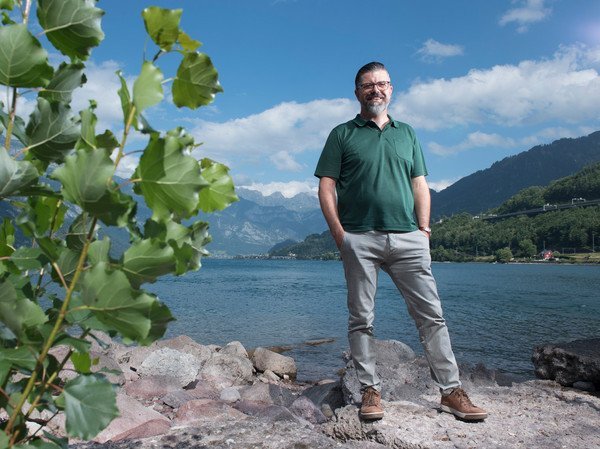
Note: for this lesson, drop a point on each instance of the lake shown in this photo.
(496, 313)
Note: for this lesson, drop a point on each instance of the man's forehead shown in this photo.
(378, 75)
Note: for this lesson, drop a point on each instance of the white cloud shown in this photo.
(434, 51)
(102, 85)
(440, 185)
(474, 140)
(275, 134)
(480, 140)
(531, 11)
(285, 162)
(287, 189)
(565, 88)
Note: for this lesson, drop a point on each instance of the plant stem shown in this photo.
(55, 330)
(120, 154)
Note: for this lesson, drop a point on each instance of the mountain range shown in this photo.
(257, 223)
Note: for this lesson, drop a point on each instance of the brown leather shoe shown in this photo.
(459, 404)
(371, 404)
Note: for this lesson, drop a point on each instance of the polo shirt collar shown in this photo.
(360, 122)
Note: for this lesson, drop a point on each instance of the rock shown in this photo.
(567, 363)
(225, 370)
(136, 421)
(230, 395)
(177, 398)
(327, 397)
(182, 367)
(306, 409)
(403, 376)
(234, 348)
(183, 343)
(270, 376)
(267, 411)
(268, 394)
(206, 410)
(531, 414)
(585, 386)
(245, 434)
(150, 387)
(264, 359)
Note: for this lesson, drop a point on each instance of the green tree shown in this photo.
(504, 255)
(98, 290)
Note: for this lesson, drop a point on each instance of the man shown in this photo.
(372, 186)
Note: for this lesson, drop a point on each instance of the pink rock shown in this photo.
(206, 410)
(136, 421)
(151, 387)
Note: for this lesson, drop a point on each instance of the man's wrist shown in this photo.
(426, 229)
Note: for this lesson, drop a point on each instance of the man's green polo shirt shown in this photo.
(373, 169)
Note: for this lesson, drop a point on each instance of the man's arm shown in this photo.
(328, 201)
(422, 201)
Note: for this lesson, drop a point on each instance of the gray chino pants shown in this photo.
(406, 258)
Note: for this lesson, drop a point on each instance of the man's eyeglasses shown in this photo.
(370, 86)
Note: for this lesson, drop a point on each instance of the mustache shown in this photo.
(375, 95)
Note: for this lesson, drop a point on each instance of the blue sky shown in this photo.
(479, 80)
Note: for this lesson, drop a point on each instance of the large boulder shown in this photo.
(265, 359)
(180, 366)
(569, 363)
(226, 370)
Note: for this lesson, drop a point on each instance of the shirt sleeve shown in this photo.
(419, 168)
(330, 162)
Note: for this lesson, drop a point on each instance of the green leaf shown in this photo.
(196, 82)
(126, 103)
(147, 88)
(88, 128)
(7, 4)
(98, 251)
(107, 140)
(18, 313)
(188, 243)
(29, 258)
(160, 316)
(145, 260)
(86, 178)
(220, 193)
(90, 405)
(20, 357)
(78, 232)
(162, 25)
(187, 43)
(82, 362)
(169, 179)
(44, 214)
(52, 131)
(23, 60)
(66, 79)
(7, 232)
(14, 175)
(67, 264)
(114, 303)
(72, 26)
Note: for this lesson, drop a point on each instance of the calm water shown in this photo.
(496, 314)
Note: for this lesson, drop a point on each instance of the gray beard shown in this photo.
(376, 108)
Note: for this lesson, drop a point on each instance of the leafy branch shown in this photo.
(99, 291)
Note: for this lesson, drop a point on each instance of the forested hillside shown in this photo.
(486, 189)
(465, 237)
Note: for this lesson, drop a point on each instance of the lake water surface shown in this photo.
(496, 313)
